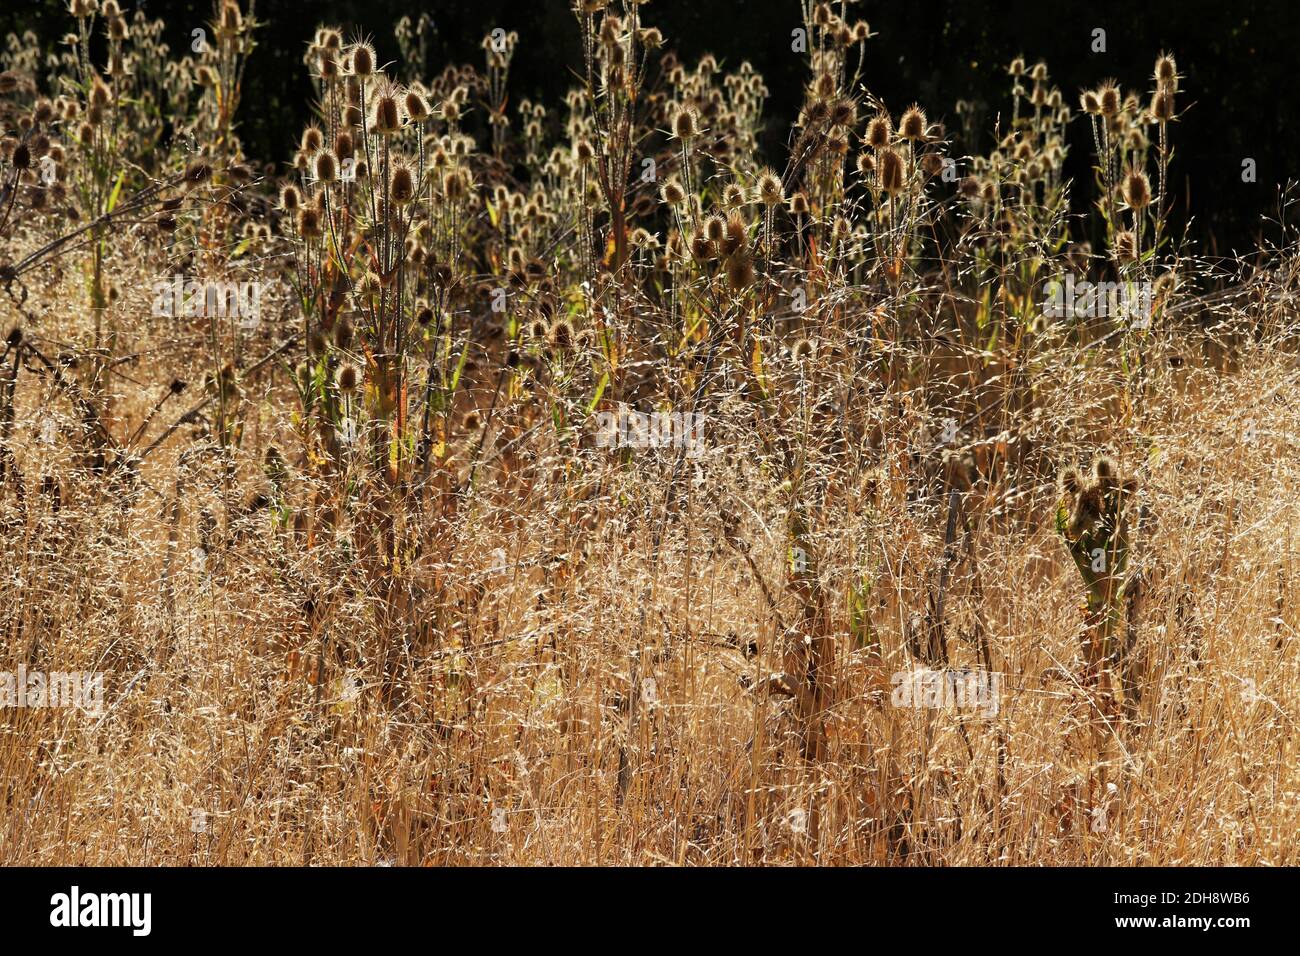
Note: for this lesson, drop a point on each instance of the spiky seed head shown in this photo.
(673, 193)
(561, 335)
(816, 114)
(326, 167)
(1017, 67)
(770, 192)
(889, 171)
(348, 378)
(387, 117)
(912, 126)
(197, 173)
(733, 195)
(454, 185)
(1162, 106)
(1071, 481)
(1109, 98)
(584, 151)
(231, 20)
(715, 228)
(401, 189)
(1166, 73)
(702, 248)
(343, 332)
(685, 126)
(309, 223)
(361, 59)
(100, 94)
(879, 131)
(736, 235)
(803, 350)
(312, 140)
(799, 204)
(1137, 189)
(344, 147)
(740, 271)
(416, 106)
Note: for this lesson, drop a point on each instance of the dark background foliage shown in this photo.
(1238, 59)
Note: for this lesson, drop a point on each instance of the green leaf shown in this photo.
(117, 191)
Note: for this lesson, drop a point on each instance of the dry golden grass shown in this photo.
(529, 649)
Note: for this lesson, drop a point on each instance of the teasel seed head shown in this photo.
(1162, 106)
(401, 189)
(100, 94)
(361, 59)
(685, 126)
(673, 193)
(561, 336)
(347, 378)
(1109, 98)
(879, 131)
(197, 173)
(912, 126)
(1166, 73)
(889, 171)
(231, 20)
(844, 112)
(702, 248)
(931, 164)
(312, 140)
(326, 167)
(1125, 247)
(454, 185)
(770, 193)
(387, 117)
(736, 235)
(309, 223)
(740, 271)
(417, 107)
(799, 204)
(1137, 189)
